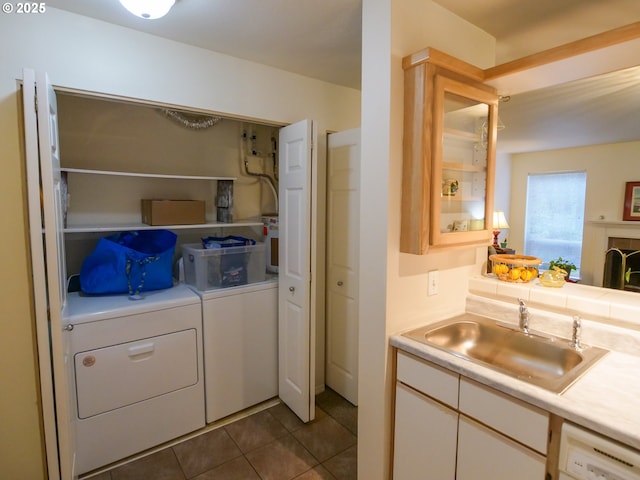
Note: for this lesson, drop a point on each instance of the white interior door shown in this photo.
(45, 195)
(296, 326)
(343, 224)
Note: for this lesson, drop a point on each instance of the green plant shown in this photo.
(627, 275)
(566, 265)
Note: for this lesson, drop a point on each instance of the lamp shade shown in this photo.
(499, 220)
(148, 9)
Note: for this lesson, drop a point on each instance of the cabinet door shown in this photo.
(464, 133)
(424, 438)
(483, 453)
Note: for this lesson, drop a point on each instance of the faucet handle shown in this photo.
(523, 308)
(575, 333)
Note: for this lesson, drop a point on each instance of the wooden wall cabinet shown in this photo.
(450, 124)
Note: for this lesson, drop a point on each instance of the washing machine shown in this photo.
(240, 333)
(138, 372)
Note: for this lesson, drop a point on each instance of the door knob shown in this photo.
(292, 289)
(340, 283)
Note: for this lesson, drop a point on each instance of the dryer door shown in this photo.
(112, 377)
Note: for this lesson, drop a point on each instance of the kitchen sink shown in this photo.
(540, 359)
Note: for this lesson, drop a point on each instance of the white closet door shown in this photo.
(296, 328)
(343, 228)
(45, 186)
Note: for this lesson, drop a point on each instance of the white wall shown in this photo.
(502, 194)
(608, 167)
(85, 54)
(393, 285)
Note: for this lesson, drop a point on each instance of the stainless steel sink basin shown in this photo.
(540, 359)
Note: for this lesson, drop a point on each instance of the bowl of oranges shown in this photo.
(514, 268)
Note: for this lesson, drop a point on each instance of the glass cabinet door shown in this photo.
(464, 127)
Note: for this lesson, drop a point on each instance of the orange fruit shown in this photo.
(514, 274)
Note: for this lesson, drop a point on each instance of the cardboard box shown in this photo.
(173, 212)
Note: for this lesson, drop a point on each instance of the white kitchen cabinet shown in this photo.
(440, 416)
(424, 438)
(437, 382)
(519, 420)
(484, 453)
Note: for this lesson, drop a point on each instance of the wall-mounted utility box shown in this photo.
(173, 212)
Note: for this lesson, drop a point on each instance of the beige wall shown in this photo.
(21, 453)
(81, 53)
(393, 285)
(608, 167)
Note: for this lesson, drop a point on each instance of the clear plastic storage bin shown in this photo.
(211, 268)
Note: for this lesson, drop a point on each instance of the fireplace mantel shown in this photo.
(615, 224)
(618, 228)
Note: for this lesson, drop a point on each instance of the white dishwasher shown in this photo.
(138, 372)
(240, 346)
(585, 455)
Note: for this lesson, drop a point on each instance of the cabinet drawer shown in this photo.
(428, 378)
(485, 454)
(519, 420)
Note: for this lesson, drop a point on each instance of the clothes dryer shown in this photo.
(138, 372)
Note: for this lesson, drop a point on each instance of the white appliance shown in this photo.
(138, 368)
(585, 455)
(240, 332)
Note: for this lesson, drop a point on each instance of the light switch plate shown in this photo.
(434, 280)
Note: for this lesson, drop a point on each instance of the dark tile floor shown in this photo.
(269, 445)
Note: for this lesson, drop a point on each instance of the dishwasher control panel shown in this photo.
(585, 467)
(585, 455)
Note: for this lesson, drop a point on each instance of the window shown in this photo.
(555, 215)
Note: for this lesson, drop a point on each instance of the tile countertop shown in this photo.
(606, 399)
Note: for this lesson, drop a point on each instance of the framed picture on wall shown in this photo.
(632, 202)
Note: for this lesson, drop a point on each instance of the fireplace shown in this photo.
(622, 264)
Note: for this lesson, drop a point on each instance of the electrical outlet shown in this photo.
(434, 280)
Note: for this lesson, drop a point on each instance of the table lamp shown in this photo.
(499, 223)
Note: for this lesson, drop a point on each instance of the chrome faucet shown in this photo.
(523, 319)
(575, 334)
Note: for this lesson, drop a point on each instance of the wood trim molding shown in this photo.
(441, 59)
(562, 52)
(541, 64)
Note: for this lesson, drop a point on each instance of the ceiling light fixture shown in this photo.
(148, 9)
